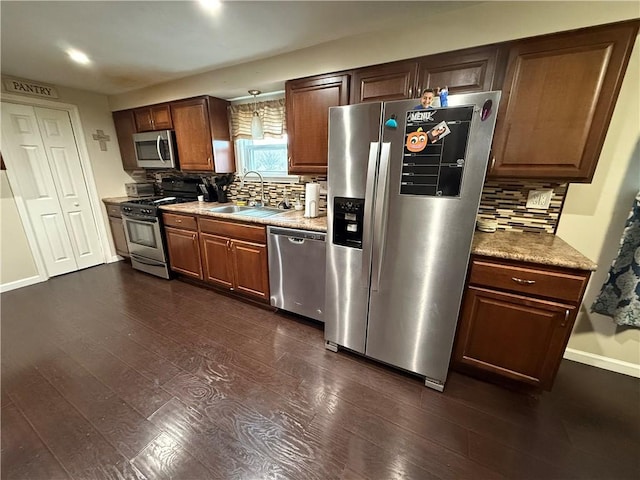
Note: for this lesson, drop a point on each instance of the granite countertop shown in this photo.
(541, 248)
(118, 199)
(538, 248)
(288, 218)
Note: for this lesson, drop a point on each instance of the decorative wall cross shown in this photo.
(102, 139)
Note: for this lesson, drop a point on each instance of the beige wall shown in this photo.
(106, 169)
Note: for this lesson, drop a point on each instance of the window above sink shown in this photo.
(267, 155)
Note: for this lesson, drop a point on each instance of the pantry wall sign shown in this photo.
(26, 87)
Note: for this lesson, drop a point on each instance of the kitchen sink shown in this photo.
(248, 211)
(231, 209)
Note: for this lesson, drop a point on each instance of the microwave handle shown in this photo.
(158, 148)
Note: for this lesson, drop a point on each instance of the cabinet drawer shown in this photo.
(185, 222)
(114, 211)
(533, 281)
(252, 233)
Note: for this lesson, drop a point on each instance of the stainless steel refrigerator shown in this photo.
(404, 185)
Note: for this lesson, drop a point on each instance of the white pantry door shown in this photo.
(41, 150)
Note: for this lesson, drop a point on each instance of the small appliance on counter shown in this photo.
(311, 200)
(138, 190)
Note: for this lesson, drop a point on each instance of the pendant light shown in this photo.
(257, 133)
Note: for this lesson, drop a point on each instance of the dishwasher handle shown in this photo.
(297, 236)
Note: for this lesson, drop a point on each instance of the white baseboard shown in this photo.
(606, 363)
(25, 282)
(115, 258)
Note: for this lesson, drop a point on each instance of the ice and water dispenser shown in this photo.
(348, 216)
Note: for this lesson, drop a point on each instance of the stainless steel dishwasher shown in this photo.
(297, 270)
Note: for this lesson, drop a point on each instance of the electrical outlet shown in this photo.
(539, 199)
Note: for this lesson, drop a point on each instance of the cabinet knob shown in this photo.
(566, 318)
(289, 160)
(522, 281)
(410, 92)
(208, 160)
(493, 163)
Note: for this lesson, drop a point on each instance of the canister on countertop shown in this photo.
(311, 199)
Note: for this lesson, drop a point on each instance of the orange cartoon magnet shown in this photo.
(416, 141)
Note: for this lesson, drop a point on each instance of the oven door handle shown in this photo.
(139, 219)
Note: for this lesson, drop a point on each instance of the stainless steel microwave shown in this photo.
(155, 149)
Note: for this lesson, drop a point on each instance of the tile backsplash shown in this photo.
(274, 191)
(505, 202)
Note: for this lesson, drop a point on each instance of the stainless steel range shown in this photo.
(142, 220)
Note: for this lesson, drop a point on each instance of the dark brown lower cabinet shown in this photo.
(511, 326)
(215, 257)
(184, 251)
(235, 257)
(181, 233)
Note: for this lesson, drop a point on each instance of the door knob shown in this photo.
(76, 204)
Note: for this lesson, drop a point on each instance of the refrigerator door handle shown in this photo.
(380, 221)
(372, 166)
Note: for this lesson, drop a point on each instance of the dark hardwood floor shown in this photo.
(112, 373)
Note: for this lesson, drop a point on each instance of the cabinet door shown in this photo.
(558, 97)
(193, 135)
(307, 103)
(466, 71)
(119, 238)
(184, 252)
(513, 336)
(216, 257)
(125, 128)
(156, 117)
(392, 81)
(250, 269)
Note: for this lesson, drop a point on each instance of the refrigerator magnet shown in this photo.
(441, 130)
(392, 122)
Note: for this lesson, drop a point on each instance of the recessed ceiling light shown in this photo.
(78, 56)
(210, 5)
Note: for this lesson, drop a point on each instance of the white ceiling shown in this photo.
(135, 44)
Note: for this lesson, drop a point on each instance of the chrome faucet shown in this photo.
(261, 185)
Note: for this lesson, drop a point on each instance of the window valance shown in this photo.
(271, 113)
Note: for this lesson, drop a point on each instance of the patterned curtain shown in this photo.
(271, 113)
(620, 294)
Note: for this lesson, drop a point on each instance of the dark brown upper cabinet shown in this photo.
(201, 126)
(463, 71)
(125, 128)
(391, 81)
(156, 117)
(307, 103)
(557, 100)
